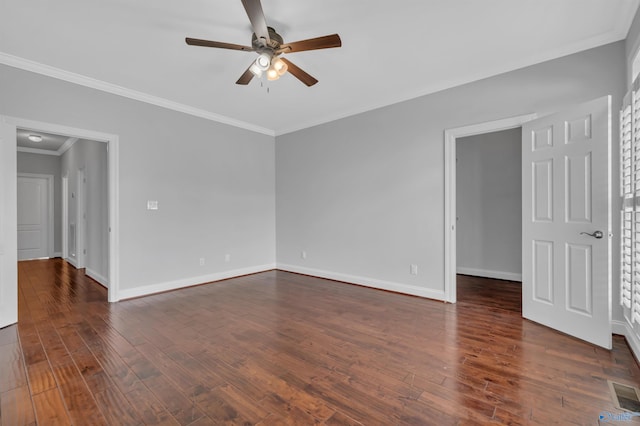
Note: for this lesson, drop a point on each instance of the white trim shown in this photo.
(37, 151)
(72, 262)
(81, 217)
(64, 196)
(113, 165)
(57, 254)
(450, 136)
(50, 202)
(103, 281)
(49, 71)
(486, 273)
(66, 145)
(618, 32)
(192, 281)
(113, 154)
(366, 282)
(624, 329)
(63, 148)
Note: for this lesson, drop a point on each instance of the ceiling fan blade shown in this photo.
(221, 45)
(299, 73)
(258, 21)
(246, 77)
(323, 42)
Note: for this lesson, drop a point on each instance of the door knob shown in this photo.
(595, 234)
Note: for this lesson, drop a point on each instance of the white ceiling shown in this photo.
(391, 51)
(50, 142)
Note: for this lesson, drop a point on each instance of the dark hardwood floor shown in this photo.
(493, 294)
(279, 348)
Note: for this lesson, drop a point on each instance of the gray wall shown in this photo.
(489, 204)
(214, 183)
(47, 165)
(364, 196)
(91, 157)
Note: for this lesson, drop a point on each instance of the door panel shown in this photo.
(579, 284)
(543, 272)
(543, 191)
(565, 186)
(578, 181)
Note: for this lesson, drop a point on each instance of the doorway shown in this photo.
(566, 268)
(109, 208)
(489, 209)
(451, 200)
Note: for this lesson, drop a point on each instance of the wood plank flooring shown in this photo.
(278, 348)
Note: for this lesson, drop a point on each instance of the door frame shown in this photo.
(450, 213)
(50, 203)
(113, 167)
(81, 219)
(64, 196)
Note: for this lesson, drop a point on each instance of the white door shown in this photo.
(33, 217)
(566, 273)
(8, 234)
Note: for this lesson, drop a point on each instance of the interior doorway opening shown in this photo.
(78, 206)
(92, 173)
(489, 214)
(452, 136)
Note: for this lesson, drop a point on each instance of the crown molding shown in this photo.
(57, 73)
(616, 34)
(66, 145)
(38, 151)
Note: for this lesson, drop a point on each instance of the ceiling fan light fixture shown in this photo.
(263, 61)
(255, 70)
(35, 138)
(280, 66)
(272, 74)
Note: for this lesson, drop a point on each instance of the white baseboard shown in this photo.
(499, 275)
(72, 261)
(103, 281)
(624, 328)
(367, 282)
(188, 282)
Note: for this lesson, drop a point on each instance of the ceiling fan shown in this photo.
(270, 45)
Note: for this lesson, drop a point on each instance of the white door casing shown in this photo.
(566, 188)
(81, 219)
(65, 217)
(8, 226)
(35, 216)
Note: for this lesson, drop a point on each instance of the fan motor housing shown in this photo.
(273, 44)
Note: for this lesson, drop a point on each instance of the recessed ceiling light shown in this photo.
(35, 138)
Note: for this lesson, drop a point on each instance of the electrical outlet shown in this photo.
(202, 261)
(413, 269)
(303, 254)
(227, 258)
